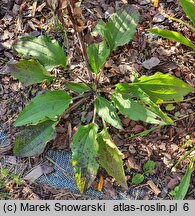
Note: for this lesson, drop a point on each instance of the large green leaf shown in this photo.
(77, 87)
(47, 51)
(84, 154)
(140, 94)
(107, 112)
(173, 35)
(119, 29)
(185, 183)
(97, 54)
(163, 87)
(29, 72)
(135, 110)
(135, 92)
(110, 157)
(49, 104)
(189, 9)
(32, 140)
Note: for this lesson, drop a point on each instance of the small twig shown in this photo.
(80, 78)
(188, 99)
(75, 105)
(106, 89)
(81, 96)
(98, 77)
(184, 117)
(184, 157)
(58, 166)
(181, 22)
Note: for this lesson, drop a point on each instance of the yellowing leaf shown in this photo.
(84, 154)
(110, 157)
(29, 72)
(163, 86)
(32, 140)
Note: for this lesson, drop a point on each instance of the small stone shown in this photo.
(19, 2)
(150, 63)
(172, 183)
(132, 163)
(162, 146)
(125, 155)
(7, 18)
(137, 128)
(144, 2)
(5, 96)
(35, 33)
(4, 36)
(8, 44)
(2, 112)
(125, 121)
(1, 47)
(167, 160)
(109, 63)
(125, 69)
(15, 9)
(8, 55)
(160, 50)
(174, 147)
(132, 123)
(132, 149)
(158, 18)
(117, 141)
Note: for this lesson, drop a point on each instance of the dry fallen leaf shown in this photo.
(154, 188)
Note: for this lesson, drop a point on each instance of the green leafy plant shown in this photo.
(138, 100)
(5, 177)
(189, 8)
(180, 191)
(137, 179)
(149, 168)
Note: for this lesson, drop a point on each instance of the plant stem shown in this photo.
(80, 78)
(184, 157)
(98, 77)
(81, 96)
(184, 117)
(104, 123)
(182, 22)
(80, 38)
(83, 49)
(94, 112)
(74, 106)
(188, 99)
